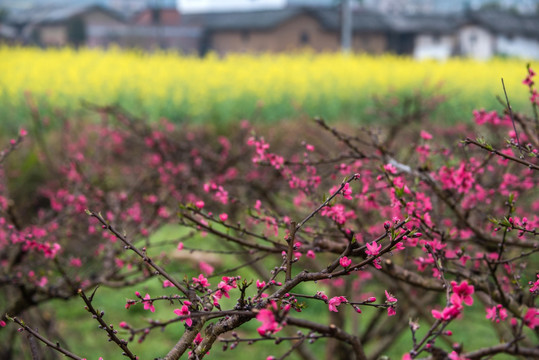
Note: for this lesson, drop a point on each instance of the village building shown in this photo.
(75, 25)
(422, 36)
(484, 34)
(163, 28)
(266, 31)
(8, 34)
(478, 35)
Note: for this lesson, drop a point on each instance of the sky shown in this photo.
(216, 5)
(417, 5)
(231, 5)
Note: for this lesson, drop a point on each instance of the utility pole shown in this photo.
(346, 26)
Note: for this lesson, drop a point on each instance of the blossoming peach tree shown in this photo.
(388, 231)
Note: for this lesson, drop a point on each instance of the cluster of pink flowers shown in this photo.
(260, 284)
(218, 191)
(223, 217)
(534, 286)
(391, 301)
(347, 191)
(269, 324)
(206, 268)
(488, 117)
(49, 250)
(461, 178)
(224, 286)
(373, 248)
(321, 295)
(345, 262)
(528, 81)
(531, 318)
(338, 213)
(184, 311)
(148, 303)
(262, 155)
(462, 293)
(201, 280)
(268, 318)
(496, 313)
(535, 97)
(334, 302)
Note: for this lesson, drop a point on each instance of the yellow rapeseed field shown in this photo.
(269, 87)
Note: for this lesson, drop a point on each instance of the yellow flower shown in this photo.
(273, 86)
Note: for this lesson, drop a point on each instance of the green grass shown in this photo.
(80, 333)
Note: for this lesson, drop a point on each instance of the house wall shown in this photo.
(184, 39)
(102, 29)
(304, 30)
(517, 46)
(372, 43)
(168, 32)
(169, 17)
(53, 35)
(301, 31)
(476, 42)
(431, 46)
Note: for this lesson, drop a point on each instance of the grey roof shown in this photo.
(56, 13)
(252, 20)
(440, 24)
(7, 31)
(267, 19)
(505, 23)
(362, 20)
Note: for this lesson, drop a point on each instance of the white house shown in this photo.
(433, 36)
(518, 45)
(482, 35)
(476, 41)
(433, 46)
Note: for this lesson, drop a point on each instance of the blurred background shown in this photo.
(419, 28)
(218, 62)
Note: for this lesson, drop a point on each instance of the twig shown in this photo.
(47, 342)
(511, 114)
(5, 153)
(129, 246)
(235, 239)
(344, 139)
(231, 270)
(290, 239)
(441, 270)
(332, 331)
(103, 325)
(508, 348)
(337, 192)
(277, 339)
(505, 156)
(34, 348)
(522, 255)
(294, 347)
(203, 314)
